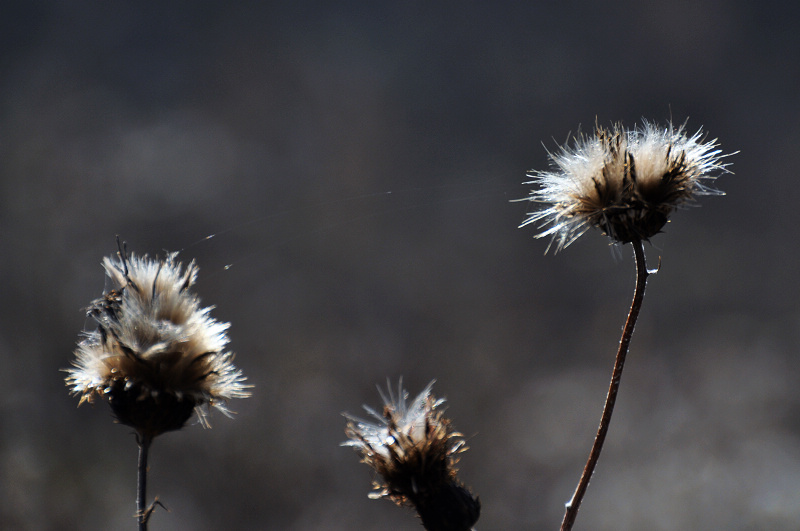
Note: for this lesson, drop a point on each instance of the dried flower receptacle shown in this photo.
(156, 355)
(624, 182)
(414, 450)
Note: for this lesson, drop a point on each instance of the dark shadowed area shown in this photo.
(354, 163)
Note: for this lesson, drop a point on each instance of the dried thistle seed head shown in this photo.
(414, 450)
(156, 355)
(624, 182)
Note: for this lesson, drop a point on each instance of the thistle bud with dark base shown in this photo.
(156, 355)
(623, 182)
(414, 450)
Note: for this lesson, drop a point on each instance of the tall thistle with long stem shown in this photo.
(625, 183)
(156, 355)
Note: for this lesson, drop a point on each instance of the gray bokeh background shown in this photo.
(356, 162)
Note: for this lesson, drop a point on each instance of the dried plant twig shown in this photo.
(616, 376)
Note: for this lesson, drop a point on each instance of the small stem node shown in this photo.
(142, 512)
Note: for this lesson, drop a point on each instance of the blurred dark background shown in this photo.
(355, 162)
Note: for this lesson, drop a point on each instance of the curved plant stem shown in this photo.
(641, 279)
(142, 512)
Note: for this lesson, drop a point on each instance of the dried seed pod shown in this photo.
(624, 182)
(156, 355)
(414, 450)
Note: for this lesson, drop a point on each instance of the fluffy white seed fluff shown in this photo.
(402, 426)
(155, 343)
(625, 182)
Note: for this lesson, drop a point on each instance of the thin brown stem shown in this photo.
(142, 512)
(638, 296)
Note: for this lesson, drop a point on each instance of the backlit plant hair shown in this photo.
(414, 451)
(625, 183)
(156, 355)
